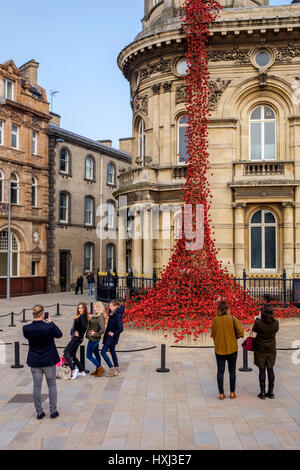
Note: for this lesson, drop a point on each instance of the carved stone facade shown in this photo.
(254, 58)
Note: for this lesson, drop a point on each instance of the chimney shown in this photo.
(30, 71)
(105, 142)
(125, 144)
(55, 119)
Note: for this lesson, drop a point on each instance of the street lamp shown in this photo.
(9, 240)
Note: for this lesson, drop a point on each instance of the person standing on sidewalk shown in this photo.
(225, 331)
(91, 281)
(111, 336)
(79, 284)
(77, 334)
(95, 330)
(42, 358)
(266, 328)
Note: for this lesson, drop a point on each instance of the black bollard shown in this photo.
(245, 367)
(163, 360)
(57, 310)
(91, 308)
(17, 364)
(24, 316)
(12, 319)
(82, 358)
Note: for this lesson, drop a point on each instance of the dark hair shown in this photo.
(115, 303)
(85, 310)
(267, 313)
(223, 308)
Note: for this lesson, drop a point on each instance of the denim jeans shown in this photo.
(37, 375)
(221, 361)
(92, 353)
(70, 354)
(113, 355)
(90, 285)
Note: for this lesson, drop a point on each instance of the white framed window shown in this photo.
(262, 134)
(263, 241)
(88, 210)
(181, 140)
(88, 257)
(8, 89)
(110, 256)
(64, 208)
(111, 174)
(64, 161)
(15, 136)
(14, 188)
(34, 142)
(1, 186)
(14, 254)
(1, 132)
(34, 188)
(141, 141)
(89, 168)
(34, 268)
(111, 214)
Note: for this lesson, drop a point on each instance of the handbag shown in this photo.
(64, 372)
(248, 344)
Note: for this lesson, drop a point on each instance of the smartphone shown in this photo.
(46, 316)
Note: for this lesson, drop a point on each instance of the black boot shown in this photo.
(262, 393)
(270, 393)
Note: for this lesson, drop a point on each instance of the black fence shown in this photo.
(268, 288)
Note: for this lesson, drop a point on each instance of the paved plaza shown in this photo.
(144, 409)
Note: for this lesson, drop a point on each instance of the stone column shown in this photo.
(148, 244)
(137, 245)
(288, 237)
(122, 232)
(239, 238)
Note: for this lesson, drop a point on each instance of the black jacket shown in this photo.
(80, 324)
(115, 325)
(90, 279)
(42, 350)
(79, 281)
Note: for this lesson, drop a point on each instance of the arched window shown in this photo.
(64, 161)
(111, 174)
(111, 214)
(89, 168)
(263, 236)
(141, 142)
(88, 256)
(1, 186)
(34, 191)
(88, 210)
(14, 188)
(110, 257)
(181, 144)
(64, 203)
(263, 134)
(14, 254)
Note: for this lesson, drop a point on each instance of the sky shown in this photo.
(76, 43)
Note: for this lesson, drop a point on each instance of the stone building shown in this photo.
(254, 134)
(82, 209)
(24, 119)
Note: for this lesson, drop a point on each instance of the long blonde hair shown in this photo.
(101, 309)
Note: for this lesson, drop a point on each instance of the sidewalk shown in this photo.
(144, 409)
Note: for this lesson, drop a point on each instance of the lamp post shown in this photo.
(9, 241)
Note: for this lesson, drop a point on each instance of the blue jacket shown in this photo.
(42, 350)
(115, 325)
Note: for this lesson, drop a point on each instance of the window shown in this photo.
(14, 254)
(111, 174)
(182, 147)
(64, 207)
(1, 186)
(8, 88)
(89, 168)
(34, 268)
(263, 134)
(14, 189)
(88, 210)
(88, 257)
(141, 142)
(34, 191)
(1, 132)
(263, 236)
(14, 136)
(34, 142)
(64, 161)
(111, 214)
(110, 255)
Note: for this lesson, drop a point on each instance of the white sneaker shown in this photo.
(74, 374)
(82, 373)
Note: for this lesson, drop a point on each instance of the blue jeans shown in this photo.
(92, 353)
(90, 285)
(113, 355)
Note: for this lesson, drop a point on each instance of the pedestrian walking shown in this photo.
(77, 334)
(111, 336)
(266, 328)
(91, 281)
(42, 358)
(95, 330)
(225, 331)
(79, 284)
